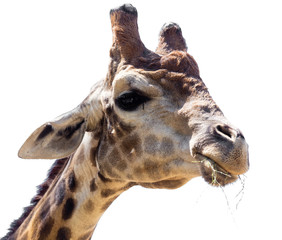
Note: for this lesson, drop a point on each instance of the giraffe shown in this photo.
(150, 122)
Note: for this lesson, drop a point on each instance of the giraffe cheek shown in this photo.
(163, 147)
(131, 146)
(151, 144)
(166, 147)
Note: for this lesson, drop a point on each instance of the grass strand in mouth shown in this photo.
(214, 173)
(212, 165)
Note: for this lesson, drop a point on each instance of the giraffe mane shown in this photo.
(55, 170)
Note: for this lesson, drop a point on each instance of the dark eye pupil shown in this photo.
(131, 100)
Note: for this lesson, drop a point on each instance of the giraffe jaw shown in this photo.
(213, 173)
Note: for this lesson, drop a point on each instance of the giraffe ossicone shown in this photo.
(150, 122)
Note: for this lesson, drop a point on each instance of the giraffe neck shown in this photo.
(74, 203)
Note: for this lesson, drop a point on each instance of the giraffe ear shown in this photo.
(56, 139)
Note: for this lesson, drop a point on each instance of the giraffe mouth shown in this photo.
(213, 173)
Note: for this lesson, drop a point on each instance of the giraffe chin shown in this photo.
(213, 173)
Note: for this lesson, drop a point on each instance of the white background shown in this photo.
(51, 53)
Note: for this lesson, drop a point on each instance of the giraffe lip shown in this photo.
(206, 160)
(213, 173)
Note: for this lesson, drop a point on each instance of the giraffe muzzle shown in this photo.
(222, 154)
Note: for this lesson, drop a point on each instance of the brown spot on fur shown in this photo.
(72, 182)
(68, 209)
(166, 147)
(151, 168)
(60, 192)
(103, 178)
(103, 150)
(114, 157)
(44, 210)
(64, 233)
(178, 162)
(122, 165)
(138, 171)
(93, 185)
(107, 171)
(130, 143)
(45, 228)
(107, 192)
(116, 161)
(151, 144)
(129, 177)
(89, 206)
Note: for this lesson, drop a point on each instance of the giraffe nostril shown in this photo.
(225, 131)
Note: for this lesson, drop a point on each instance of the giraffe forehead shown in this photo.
(158, 83)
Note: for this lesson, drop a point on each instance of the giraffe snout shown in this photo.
(222, 150)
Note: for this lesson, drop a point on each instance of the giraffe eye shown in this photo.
(129, 101)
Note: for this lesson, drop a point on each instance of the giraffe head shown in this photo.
(153, 117)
